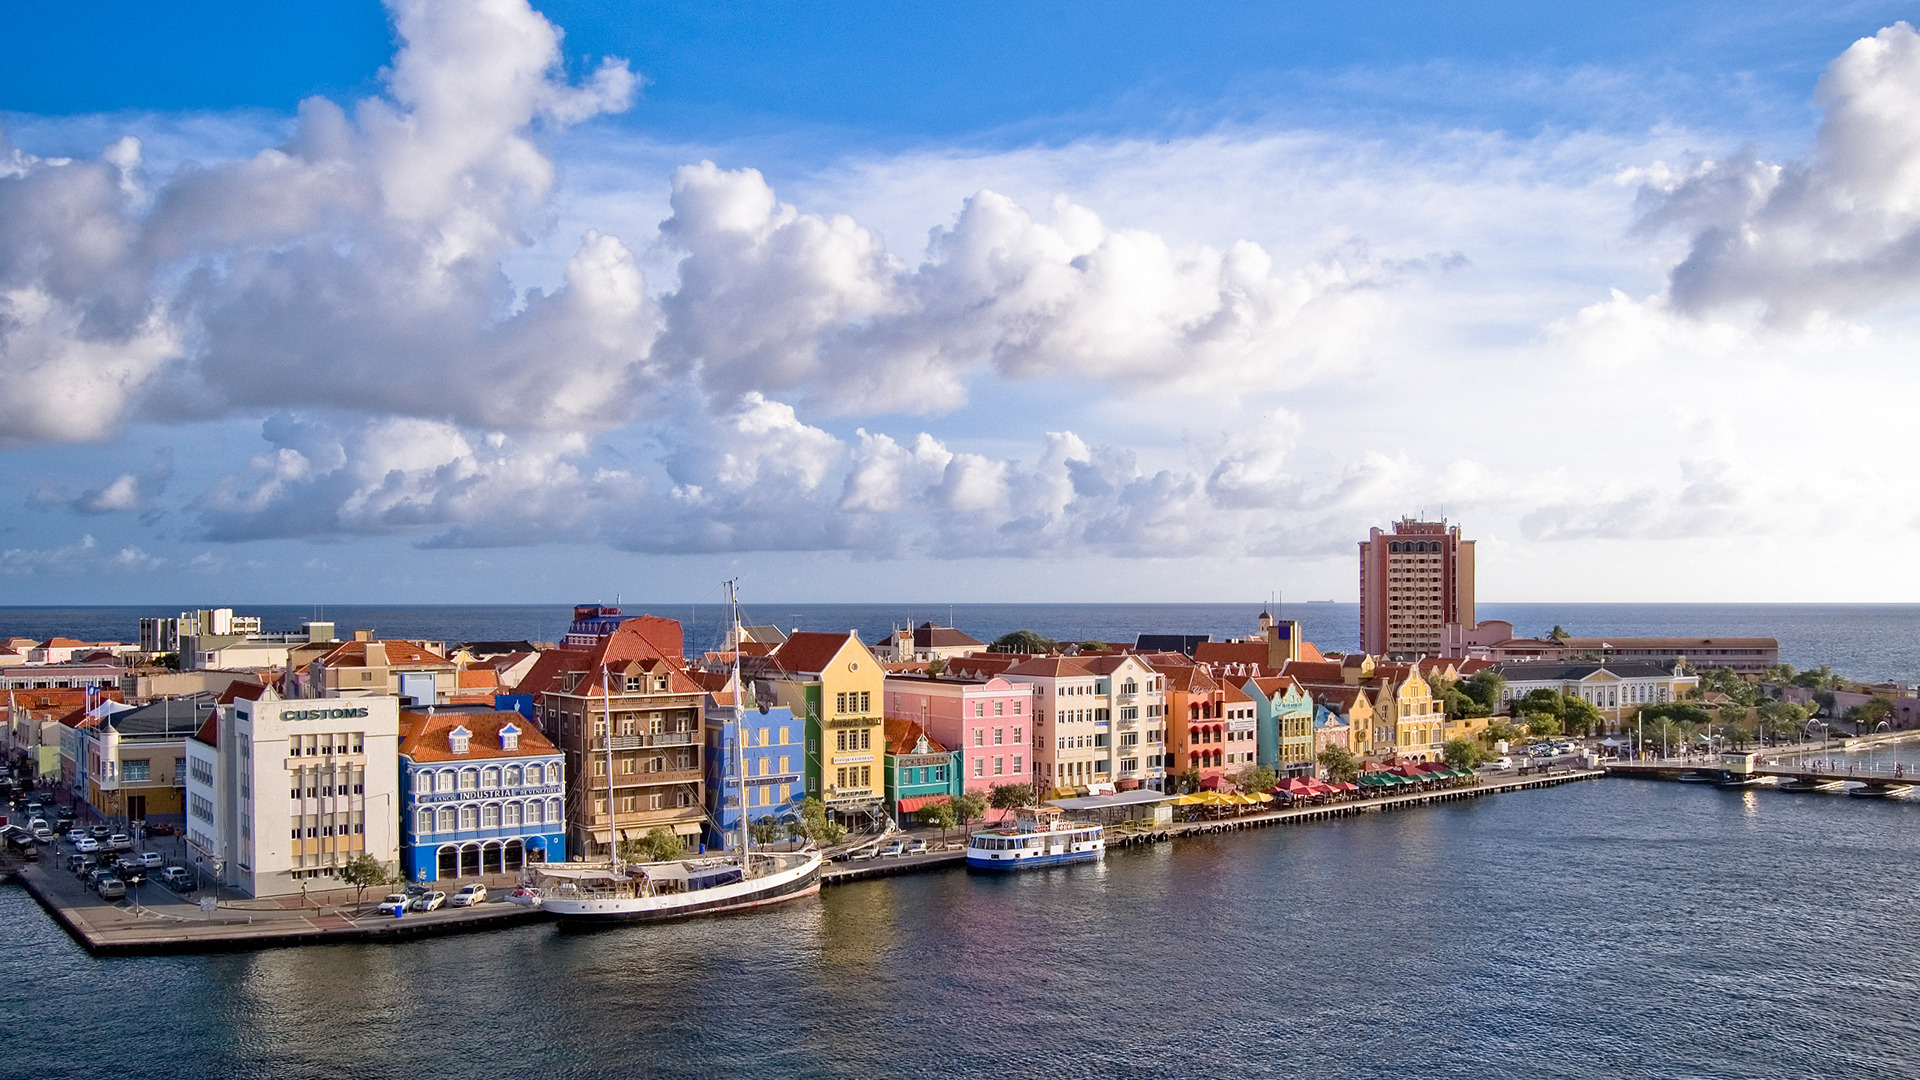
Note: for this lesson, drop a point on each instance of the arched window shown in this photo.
(1129, 687)
(446, 781)
(535, 776)
(425, 822)
(469, 779)
(469, 817)
(447, 819)
(553, 812)
(490, 816)
(423, 783)
(533, 812)
(513, 814)
(490, 778)
(513, 776)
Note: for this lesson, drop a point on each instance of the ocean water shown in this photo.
(1867, 641)
(1598, 930)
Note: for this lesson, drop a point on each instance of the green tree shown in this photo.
(1189, 781)
(941, 814)
(1023, 641)
(1485, 687)
(1256, 778)
(816, 825)
(1776, 718)
(938, 666)
(969, 805)
(1463, 753)
(1011, 796)
(1093, 647)
(1779, 675)
(1682, 712)
(1458, 703)
(659, 845)
(765, 831)
(1543, 700)
(1558, 633)
(1865, 715)
(363, 871)
(1541, 725)
(1579, 716)
(1820, 678)
(1725, 681)
(1500, 731)
(1340, 764)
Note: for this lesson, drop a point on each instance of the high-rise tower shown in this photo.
(1413, 582)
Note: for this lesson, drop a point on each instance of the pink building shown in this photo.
(987, 722)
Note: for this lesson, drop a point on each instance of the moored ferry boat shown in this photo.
(1039, 836)
(652, 892)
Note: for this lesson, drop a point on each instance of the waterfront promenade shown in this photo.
(174, 926)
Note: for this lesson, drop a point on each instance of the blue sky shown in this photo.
(974, 302)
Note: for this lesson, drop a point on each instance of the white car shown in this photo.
(1501, 762)
(862, 855)
(433, 901)
(918, 847)
(394, 904)
(86, 845)
(895, 849)
(469, 895)
(151, 859)
(120, 842)
(74, 836)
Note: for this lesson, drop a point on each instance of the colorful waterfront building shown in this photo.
(1330, 729)
(626, 712)
(481, 792)
(1283, 713)
(772, 752)
(920, 771)
(835, 684)
(984, 722)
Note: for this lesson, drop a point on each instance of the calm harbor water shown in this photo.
(1604, 929)
(1866, 641)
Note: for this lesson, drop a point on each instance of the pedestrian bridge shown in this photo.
(1800, 774)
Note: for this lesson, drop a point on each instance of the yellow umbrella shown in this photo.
(1188, 800)
(1259, 796)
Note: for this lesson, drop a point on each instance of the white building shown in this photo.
(286, 791)
(1617, 689)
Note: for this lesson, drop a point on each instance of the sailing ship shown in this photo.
(613, 891)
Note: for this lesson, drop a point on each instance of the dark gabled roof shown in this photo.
(495, 648)
(929, 636)
(1180, 643)
(168, 716)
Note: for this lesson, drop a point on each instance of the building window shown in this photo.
(979, 766)
(490, 816)
(999, 766)
(655, 801)
(490, 778)
(447, 818)
(979, 708)
(1019, 765)
(469, 817)
(999, 736)
(136, 771)
(999, 708)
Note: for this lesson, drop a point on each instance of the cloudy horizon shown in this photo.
(522, 314)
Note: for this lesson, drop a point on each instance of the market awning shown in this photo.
(920, 802)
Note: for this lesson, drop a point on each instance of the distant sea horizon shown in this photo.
(1876, 642)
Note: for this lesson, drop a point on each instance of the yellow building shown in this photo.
(838, 685)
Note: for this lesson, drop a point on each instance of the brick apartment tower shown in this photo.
(1413, 582)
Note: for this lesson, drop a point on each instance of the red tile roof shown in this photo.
(903, 735)
(808, 652)
(647, 644)
(399, 654)
(209, 732)
(427, 738)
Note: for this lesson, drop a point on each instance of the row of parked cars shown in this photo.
(420, 898)
(894, 849)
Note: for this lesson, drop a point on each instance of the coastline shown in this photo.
(106, 930)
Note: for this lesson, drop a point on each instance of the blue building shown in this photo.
(481, 792)
(775, 769)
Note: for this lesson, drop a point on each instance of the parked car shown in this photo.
(918, 847)
(150, 859)
(99, 832)
(895, 849)
(177, 878)
(468, 895)
(74, 836)
(43, 834)
(395, 903)
(433, 901)
(160, 828)
(862, 855)
(1501, 762)
(97, 875)
(132, 875)
(63, 819)
(79, 864)
(111, 889)
(86, 844)
(120, 842)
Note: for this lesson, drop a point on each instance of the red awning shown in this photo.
(1213, 783)
(920, 802)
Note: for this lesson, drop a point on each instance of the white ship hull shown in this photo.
(590, 896)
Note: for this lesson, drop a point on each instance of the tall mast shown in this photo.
(739, 715)
(613, 833)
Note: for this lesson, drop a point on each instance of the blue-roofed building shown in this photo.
(1283, 714)
(774, 783)
(481, 792)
